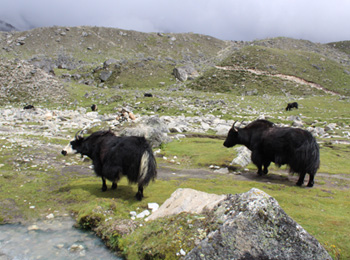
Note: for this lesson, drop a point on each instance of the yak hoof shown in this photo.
(104, 188)
(299, 184)
(310, 185)
(114, 186)
(259, 173)
(139, 196)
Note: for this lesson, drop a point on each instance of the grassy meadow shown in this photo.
(36, 180)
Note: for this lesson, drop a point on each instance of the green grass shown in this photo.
(307, 65)
(198, 152)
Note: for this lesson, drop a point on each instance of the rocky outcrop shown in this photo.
(252, 225)
(185, 72)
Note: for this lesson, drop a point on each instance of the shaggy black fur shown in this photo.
(114, 157)
(281, 145)
(292, 105)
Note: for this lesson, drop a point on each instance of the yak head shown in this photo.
(74, 146)
(232, 137)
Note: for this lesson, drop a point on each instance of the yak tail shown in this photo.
(307, 158)
(148, 168)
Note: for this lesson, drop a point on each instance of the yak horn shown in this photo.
(79, 135)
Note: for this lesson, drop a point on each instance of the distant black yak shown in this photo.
(281, 145)
(292, 105)
(147, 95)
(28, 107)
(114, 157)
(94, 107)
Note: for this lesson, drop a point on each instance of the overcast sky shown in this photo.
(315, 20)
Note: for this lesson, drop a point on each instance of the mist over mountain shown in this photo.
(6, 27)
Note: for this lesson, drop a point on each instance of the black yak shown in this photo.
(292, 105)
(28, 107)
(281, 145)
(115, 156)
(94, 107)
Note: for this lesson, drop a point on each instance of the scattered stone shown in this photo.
(153, 206)
(50, 216)
(33, 227)
(143, 214)
(222, 171)
(76, 248)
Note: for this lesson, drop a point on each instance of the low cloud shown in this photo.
(318, 21)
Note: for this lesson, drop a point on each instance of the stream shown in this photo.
(54, 239)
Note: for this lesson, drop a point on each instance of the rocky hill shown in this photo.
(82, 58)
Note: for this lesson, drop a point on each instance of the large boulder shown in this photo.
(185, 72)
(187, 200)
(152, 128)
(254, 226)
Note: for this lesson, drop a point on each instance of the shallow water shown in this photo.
(55, 239)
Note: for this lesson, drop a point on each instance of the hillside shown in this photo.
(82, 58)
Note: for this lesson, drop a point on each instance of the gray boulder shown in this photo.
(185, 72)
(152, 128)
(254, 226)
(105, 75)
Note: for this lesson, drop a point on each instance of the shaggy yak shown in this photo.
(281, 145)
(292, 105)
(114, 157)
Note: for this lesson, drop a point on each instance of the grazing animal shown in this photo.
(281, 145)
(94, 107)
(28, 107)
(115, 156)
(148, 95)
(292, 105)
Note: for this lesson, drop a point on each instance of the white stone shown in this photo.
(50, 216)
(143, 214)
(153, 206)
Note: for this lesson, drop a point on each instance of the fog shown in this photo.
(318, 21)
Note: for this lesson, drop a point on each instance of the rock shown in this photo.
(243, 157)
(187, 200)
(153, 206)
(330, 127)
(185, 72)
(297, 123)
(143, 214)
(50, 216)
(152, 128)
(76, 248)
(222, 171)
(105, 75)
(254, 226)
(33, 227)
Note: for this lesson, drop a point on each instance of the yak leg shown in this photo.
(114, 185)
(301, 179)
(311, 180)
(104, 185)
(139, 194)
(256, 159)
(266, 165)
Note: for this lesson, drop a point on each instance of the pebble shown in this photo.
(50, 216)
(76, 248)
(33, 227)
(153, 206)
